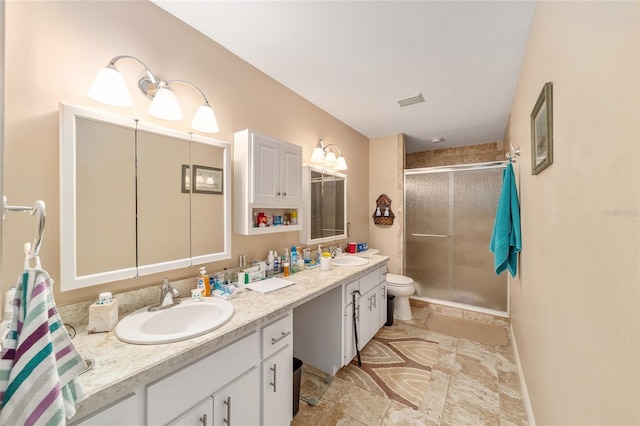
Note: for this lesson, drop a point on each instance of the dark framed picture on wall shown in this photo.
(542, 131)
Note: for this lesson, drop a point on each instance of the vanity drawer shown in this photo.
(277, 335)
(369, 281)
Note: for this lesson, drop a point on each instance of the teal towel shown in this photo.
(506, 240)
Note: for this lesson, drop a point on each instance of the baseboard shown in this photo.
(523, 384)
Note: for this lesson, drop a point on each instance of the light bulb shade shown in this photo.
(318, 155)
(109, 88)
(341, 163)
(330, 159)
(165, 105)
(205, 120)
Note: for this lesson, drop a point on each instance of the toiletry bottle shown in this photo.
(294, 260)
(270, 260)
(378, 212)
(203, 282)
(276, 262)
(286, 269)
(287, 258)
(318, 254)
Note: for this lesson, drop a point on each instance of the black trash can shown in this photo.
(390, 298)
(297, 377)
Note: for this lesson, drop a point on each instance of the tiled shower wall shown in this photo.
(486, 152)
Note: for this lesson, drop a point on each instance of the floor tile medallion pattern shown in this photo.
(471, 384)
(394, 365)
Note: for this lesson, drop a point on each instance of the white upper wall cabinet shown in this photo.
(267, 180)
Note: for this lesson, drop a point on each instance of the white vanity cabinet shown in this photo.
(239, 402)
(277, 372)
(176, 396)
(370, 308)
(349, 350)
(323, 327)
(382, 291)
(267, 178)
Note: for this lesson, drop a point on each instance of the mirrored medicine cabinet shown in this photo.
(324, 206)
(136, 199)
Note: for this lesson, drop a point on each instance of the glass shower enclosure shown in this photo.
(449, 216)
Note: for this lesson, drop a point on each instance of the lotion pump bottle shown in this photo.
(203, 282)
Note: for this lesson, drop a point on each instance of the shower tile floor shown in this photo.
(471, 384)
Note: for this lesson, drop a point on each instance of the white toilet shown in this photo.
(401, 287)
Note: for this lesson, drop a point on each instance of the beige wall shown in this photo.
(386, 165)
(54, 50)
(575, 303)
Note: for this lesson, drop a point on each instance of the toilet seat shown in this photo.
(399, 280)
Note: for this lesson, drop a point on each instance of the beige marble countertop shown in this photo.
(120, 367)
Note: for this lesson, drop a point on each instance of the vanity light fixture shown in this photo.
(110, 88)
(326, 156)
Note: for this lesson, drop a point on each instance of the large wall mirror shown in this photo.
(136, 199)
(324, 206)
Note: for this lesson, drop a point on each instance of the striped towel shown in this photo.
(39, 364)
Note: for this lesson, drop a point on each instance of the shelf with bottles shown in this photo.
(268, 220)
(383, 214)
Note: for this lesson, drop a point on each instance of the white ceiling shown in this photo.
(355, 59)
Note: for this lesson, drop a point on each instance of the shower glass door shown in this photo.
(449, 220)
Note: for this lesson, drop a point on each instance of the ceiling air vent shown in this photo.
(411, 100)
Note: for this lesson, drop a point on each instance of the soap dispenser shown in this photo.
(203, 282)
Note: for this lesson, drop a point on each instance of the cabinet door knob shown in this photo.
(284, 194)
(227, 402)
(278, 194)
(274, 377)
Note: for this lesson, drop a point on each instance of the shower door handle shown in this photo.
(430, 235)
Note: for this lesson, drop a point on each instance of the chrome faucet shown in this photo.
(335, 251)
(167, 292)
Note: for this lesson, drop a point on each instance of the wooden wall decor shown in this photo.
(383, 215)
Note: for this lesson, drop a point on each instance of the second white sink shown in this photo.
(184, 321)
(348, 261)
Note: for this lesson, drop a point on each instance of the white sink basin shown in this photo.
(349, 261)
(180, 322)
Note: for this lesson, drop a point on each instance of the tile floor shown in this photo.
(471, 384)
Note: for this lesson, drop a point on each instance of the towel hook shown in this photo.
(39, 208)
(512, 155)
